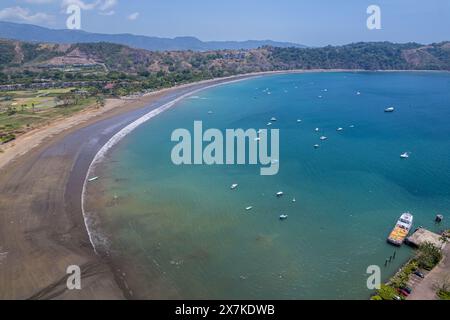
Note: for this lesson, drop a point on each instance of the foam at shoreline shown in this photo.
(96, 238)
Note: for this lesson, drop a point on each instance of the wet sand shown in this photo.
(42, 230)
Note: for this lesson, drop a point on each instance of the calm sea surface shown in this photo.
(186, 234)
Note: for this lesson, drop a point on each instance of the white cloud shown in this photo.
(133, 16)
(103, 6)
(82, 4)
(20, 14)
(108, 5)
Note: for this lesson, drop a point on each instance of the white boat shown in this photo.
(269, 123)
(210, 112)
(390, 109)
(404, 155)
(257, 139)
(249, 208)
(93, 179)
(320, 97)
(339, 129)
(401, 229)
(358, 93)
(298, 120)
(283, 216)
(273, 119)
(234, 186)
(316, 146)
(280, 193)
(294, 200)
(323, 138)
(352, 126)
(317, 129)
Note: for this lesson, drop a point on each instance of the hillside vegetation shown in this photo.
(22, 62)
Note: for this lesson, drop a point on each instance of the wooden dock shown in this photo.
(421, 236)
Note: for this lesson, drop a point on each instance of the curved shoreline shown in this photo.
(41, 228)
(116, 138)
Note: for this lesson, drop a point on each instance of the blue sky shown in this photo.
(312, 22)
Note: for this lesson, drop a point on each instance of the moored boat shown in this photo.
(404, 155)
(401, 229)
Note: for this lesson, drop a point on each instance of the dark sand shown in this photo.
(42, 229)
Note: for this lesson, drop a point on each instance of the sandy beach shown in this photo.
(42, 230)
(42, 173)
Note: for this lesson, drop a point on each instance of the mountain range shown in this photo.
(33, 33)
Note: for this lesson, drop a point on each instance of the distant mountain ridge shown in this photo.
(33, 33)
(17, 56)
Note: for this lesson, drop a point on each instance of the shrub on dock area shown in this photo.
(443, 295)
(443, 290)
(385, 293)
(428, 256)
(400, 279)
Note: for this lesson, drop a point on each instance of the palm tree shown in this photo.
(100, 101)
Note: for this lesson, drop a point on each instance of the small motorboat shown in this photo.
(249, 208)
(390, 109)
(323, 138)
(93, 179)
(316, 129)
(283, 216)
(439, 218)
(210, 112)
(358, 93)
(298, 120)
(294, 200)
(352, 126)
(404, 155)
(273, 119)
(234, 186)
(269, 123)
(279, 194)
(316, 146)
(339, 129)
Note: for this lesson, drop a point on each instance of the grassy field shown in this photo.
(24, 100)
(21, 111)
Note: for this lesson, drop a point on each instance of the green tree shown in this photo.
(428, 256)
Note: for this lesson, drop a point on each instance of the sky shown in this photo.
(309, 22)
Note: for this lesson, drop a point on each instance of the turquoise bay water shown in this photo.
(187, 235)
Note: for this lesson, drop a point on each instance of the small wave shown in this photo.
(97, 239)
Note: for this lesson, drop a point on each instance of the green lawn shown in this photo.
(23, 119)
